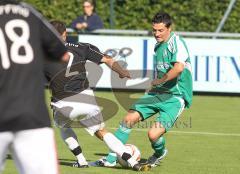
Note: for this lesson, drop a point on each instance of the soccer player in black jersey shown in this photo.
(26, 38)
(72, 98)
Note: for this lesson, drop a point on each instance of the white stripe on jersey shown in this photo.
(188, 66)
(178, 48)
(182, 53)
(171, 45)
(89, 45)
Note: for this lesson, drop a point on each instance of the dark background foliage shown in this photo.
(188, 15)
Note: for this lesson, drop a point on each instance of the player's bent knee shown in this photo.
(100, 133)
(128, 123)
(131, 119)
(154, 135)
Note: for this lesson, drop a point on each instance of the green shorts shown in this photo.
(168, 106)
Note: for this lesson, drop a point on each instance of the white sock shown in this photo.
(72, 144)
(117, 146)
(114, 144)
(81, 159)
(132, 161)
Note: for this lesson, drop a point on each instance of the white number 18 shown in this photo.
(17, 43)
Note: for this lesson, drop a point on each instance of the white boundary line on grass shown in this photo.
(207, 133)
(193, 133)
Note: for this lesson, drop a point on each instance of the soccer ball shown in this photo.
(132, 150)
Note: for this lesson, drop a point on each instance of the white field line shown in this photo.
(193, 133)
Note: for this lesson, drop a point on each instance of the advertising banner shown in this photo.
(215, 62)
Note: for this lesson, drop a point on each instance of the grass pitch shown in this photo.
(205, 140)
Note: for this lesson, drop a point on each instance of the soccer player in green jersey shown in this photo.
(169, 94)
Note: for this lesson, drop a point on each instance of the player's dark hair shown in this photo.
(59, 26)
(162, 17)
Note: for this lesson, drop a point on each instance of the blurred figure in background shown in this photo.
(89, 21)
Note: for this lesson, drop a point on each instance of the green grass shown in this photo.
(190, 152)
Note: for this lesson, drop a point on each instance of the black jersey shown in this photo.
(70, 78)
(25, 40)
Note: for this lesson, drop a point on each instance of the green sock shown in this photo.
(122, 133)
(111, 157)
(159, 146)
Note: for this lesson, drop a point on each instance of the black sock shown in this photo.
(77, 151)
(126, 156)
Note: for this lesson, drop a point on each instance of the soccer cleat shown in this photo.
(142, 167)
(104, 163)
(155, 161)
(77, 165)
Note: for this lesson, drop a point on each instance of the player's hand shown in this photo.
(124, 73)
(65, 57)
(156, 82)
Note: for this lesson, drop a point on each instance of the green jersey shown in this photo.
(166, 54)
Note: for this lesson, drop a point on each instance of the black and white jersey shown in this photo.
(25, 40)
(70, 78)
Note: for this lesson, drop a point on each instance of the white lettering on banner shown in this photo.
(215, 62)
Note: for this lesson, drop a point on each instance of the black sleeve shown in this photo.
(93, 54)
(50, 39)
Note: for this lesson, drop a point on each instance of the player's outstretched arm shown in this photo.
(111, 63)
